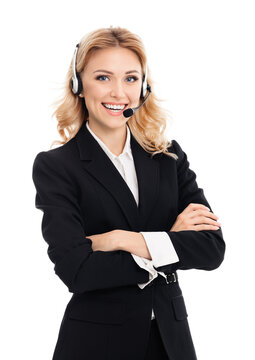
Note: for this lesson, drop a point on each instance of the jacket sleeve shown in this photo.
(203, 249)
(76, 264)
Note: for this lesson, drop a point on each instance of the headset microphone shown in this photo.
(130, 111)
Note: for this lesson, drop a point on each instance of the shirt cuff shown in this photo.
(160, 247)
(145, 264)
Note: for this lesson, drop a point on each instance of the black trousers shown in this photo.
(155, 349)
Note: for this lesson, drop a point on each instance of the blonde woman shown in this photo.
(122, 211)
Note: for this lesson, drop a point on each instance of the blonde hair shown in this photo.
(147, 125)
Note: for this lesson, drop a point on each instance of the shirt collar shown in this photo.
(126, 150)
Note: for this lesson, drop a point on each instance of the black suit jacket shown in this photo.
(81, 193)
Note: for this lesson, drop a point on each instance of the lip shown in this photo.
(114, 103)
(112, 113)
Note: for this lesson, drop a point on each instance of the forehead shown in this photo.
(114, 59)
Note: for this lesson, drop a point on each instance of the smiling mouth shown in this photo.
(115, 110)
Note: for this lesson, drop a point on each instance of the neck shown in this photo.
(114, 139)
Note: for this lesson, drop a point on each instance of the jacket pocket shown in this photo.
(179, 307)
(98, 311)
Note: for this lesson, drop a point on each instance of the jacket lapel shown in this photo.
(95, 161)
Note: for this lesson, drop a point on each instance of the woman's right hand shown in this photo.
(196, 217)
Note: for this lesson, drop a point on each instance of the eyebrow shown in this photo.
(109, 72)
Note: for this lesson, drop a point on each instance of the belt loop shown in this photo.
(174, 276)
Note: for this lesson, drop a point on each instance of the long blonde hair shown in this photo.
(147, 124)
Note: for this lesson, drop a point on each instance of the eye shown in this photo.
(132, 77)
(101, 76)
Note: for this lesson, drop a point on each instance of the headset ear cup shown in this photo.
(76, 84)
(73, 85)
(79, 90)
(141, 94)
(142, 89)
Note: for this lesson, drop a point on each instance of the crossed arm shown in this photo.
(194, 217)
(129, 241)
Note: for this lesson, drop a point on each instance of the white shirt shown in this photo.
(158, 242)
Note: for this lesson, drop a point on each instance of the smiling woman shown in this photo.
(110, 65)
(102, 89)
(122, 211)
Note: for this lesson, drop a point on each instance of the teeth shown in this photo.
(109, 106)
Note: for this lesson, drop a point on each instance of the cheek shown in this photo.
(137, 90)
(134, 94)
(93, 91)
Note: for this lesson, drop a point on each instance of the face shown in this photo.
(112, 76)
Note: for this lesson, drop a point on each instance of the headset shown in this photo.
(76, 83)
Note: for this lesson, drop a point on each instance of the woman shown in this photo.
(122, 210)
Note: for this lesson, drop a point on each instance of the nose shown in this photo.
(117, 89)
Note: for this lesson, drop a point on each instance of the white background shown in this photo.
(201, 57)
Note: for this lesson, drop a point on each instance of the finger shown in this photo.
(203, 213)
(199, 212)
(205, 227)
(210, 214)
(195, 206)
(205, 220)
